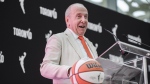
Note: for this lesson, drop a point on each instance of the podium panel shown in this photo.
(125, 64)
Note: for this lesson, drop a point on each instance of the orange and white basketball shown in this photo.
(87, 71)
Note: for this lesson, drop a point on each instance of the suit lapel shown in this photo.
(73, 43)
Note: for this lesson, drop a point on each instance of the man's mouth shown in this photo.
(82, 26)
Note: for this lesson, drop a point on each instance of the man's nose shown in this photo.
(83, 19)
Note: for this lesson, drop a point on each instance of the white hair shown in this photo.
(68, 10)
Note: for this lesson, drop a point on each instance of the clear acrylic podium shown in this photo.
(124, 64)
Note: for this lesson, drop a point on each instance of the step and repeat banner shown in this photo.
(25, 26)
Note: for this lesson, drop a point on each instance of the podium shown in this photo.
(124, 64)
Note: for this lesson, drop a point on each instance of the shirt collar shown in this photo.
(74, 35)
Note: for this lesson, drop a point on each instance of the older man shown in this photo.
(64, 49)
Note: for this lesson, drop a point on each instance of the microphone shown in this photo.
(124, 53)
(124, 35)
(112, 34)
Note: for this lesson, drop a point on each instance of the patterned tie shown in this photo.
(85, 46)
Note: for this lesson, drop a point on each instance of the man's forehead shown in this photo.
(78, 6)
(83, 13)
(79, 9)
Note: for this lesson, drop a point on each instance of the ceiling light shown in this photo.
(145, 20)
(135, 4)
(138, 13)
(129, 0)
(122, 5)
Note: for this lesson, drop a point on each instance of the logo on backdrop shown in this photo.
(114, 30)
(48, 12)
(22, 5)
(135, 61)
(130, 37)
(47, 36)
(1, 57)
(95, 27)
(96, 45)
(137, 39)
(2, 0)
(21, 59)
(117, 59)
(23, 33)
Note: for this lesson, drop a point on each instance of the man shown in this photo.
(64, 49)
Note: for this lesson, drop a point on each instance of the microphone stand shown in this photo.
(117, 39)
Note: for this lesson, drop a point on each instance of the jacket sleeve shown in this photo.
(50, 67)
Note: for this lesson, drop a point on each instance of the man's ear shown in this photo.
(67, 21)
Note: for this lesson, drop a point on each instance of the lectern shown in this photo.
(124, 63)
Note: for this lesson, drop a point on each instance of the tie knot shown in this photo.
(81, 37)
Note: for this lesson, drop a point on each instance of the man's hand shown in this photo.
(69, 72)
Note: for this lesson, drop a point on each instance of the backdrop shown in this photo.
(27, 24)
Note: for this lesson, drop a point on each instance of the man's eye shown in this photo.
(78, 16)
(86, 17)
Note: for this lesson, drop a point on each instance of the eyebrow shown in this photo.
(81, 14)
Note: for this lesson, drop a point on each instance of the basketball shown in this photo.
(86, 71)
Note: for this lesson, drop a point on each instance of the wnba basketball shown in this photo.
(87, 71)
